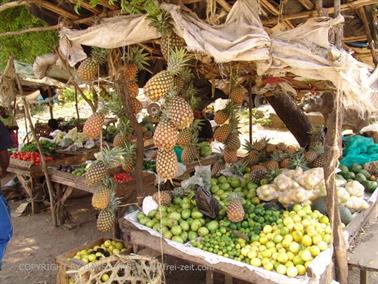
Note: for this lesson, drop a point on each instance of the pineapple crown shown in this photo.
(114, 203)
(177, 61)
(99, 55)
(160, 19)
(137, 56)
(186, 74)
(109, 183)
(124, 126)
(239, 168)
(279, 156)
(234, 196)
(298, 161)
(272, 174)
(130, 151)
(317, 148)
(112, 157)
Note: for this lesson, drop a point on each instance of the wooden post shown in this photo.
(125, 98)
(250, 113)
(43, 163)
(50, 103)
(333, 152)
(77, 108)
(362, 13)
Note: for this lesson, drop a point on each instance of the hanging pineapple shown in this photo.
(161, 20)
(130, 158)
(166, 164)
(233, 142)
(136, 61)
(136, 105)
(98, 170)
(101, 197)
(237, 95)
(159, 85)
(180, 112)
(89, 68)
(221, 133)
(189, 153)
(93, 125)
(106, 218)
(184, 137)
(230, 156)
(165, 134)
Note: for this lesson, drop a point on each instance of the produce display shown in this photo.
(72, 137)
(48, 148)
(304, 187)
(80, 170)
(33, 157)
(244, 230)
(122, 177)
(358, 173)
(107, 248)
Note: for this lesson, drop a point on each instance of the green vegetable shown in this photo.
(356, 168)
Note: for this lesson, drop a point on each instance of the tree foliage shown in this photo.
(27, 46)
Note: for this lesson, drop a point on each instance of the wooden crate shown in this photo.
(65, 265)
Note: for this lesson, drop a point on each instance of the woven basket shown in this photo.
(130, 269)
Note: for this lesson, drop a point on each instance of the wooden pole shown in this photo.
(333, 152)
(319, 7)
(50, 103)
(43, 163)
(125, 98)
(77, 107)
(250, 113)
(362, 13)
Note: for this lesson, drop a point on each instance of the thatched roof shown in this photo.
(360, 28)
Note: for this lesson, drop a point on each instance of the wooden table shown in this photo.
(138, 238)
(364, 253)
(64, 184)
(31, 176)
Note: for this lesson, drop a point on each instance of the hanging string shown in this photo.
(280, 15)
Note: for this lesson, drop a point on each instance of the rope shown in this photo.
(161, 233)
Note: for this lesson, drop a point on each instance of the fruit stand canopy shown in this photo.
(304, 51)
(249, 33)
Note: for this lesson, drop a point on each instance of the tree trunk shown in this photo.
(294, 119)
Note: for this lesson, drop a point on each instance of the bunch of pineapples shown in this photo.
(88, 69)
(188, 138)
(136, 61)
(103, 197)
(228, 133)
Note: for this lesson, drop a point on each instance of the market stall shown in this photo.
(282, 212)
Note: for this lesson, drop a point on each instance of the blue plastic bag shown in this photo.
(359, 150)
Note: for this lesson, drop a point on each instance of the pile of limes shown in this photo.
(222, 186)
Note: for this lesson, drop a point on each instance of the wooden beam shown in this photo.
(274, 10)
(330, 11)
(355, 38)
(362, 13)
(307, 4)
(58, 10)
